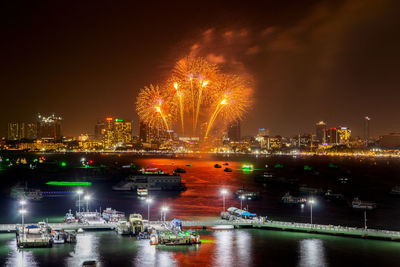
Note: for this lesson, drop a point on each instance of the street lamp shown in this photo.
(311, 201)
(148, 201)
(164, 210)
(79, 192)
(87, 198)
(223, 192)
(241, 201)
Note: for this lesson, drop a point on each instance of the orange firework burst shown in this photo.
(154, 107)
(195, 77)
(232, 99)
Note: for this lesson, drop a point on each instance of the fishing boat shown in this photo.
(123, 228)
(57, 236)
(217, 166)
(227, 170)
(289, 199)
(249, 195)
(359, 204)
(70, 218)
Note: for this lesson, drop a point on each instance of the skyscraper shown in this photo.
(366, 129)
(49, 127)
(122, 131)
(343, 134)
(333, 138)
(234, 131)
(320, 131)
(13, 131)
(114, 132)
(143, 132)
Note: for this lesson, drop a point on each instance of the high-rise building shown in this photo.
(49, 127)
(99, 129)
(122, 131)
(366, 129)
(344, 134)
(234, 131)
(333, 137)
(114, 132)
(13, 131)
(28, 130)
(143, 132)
(320, 132)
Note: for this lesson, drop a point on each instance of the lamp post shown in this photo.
(311, 201)
(164, 210)
(148, 200)
(87, 198)
(223, 192)
(241, 201)
(79, 192)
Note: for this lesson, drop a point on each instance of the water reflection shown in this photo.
(151, 256)
(223, 251)
(18, 257)
(243, 247)
(86, 248)
(312, 253)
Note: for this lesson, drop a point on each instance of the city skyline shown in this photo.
(336, 59)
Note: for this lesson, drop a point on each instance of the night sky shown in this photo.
(335, 61)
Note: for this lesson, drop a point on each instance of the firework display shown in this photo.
(194, 98)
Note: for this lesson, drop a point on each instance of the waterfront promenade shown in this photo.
(243, 223)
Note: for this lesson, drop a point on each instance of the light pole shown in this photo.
(223, 192)
(87, 198)
(79, 192)
(148, 200)
(311, 201)
(241, 201)
(164, 210)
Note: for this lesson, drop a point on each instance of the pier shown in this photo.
(243, 223)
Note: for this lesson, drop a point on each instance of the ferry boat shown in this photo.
(227, 170)
(150, 179)
(289, 199)
(70, 218)
(179, 170)
(89, 217)
(142, 192)
(395, 190)
(247, 194)
(359, 204)
(111, 215)
(333, 196)
(123, 228)
(32, 235)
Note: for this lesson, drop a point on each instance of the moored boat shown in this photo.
(249, 195)
(360, 204)
(289, 199)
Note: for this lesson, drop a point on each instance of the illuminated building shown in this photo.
(29, 131)
(143, 132)
(122, 131)
(343, 134)
(49, 128)
(274, 142)
(114, 132)
(13, 131)
(320, 132)
(366, 129)
(234, 131)
(23, 130)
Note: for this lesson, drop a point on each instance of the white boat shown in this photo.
(142, 192)
(123, 228)
(289, 199)
(90, 218)
(395, 190)
(150, 179)
(70, 218)
(57, 236)
(111, 215)
(359, 204)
